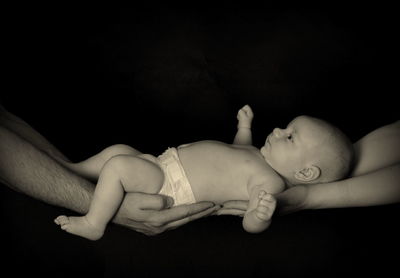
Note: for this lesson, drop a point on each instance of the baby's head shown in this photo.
(309, 150)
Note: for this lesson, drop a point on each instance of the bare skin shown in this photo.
(244, 168)
(216, 171)
(44, 178)
(374, 181)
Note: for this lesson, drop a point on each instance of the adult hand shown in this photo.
(292, 199)
(236, 207)
(154, 214)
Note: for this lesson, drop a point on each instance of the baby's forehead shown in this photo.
(313, 129)
(304, 121)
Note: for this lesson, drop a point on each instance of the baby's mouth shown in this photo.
(268, 141)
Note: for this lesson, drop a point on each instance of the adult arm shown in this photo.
(31, 171)
(380, 187)
(375, 179)
(26, 165)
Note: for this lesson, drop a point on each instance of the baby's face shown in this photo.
(288, 150)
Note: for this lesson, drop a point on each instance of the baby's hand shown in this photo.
(245, 117)
(266, 206)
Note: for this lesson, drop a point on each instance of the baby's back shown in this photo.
(220, 172)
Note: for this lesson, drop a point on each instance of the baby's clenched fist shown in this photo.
(245, 117)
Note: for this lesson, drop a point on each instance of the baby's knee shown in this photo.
(145, 175)
(119, 162)
(125, 165)
(119, 149)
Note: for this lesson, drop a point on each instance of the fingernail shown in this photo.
(170, 202)
(269, 197)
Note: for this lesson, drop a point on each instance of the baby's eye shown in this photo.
(290, 137)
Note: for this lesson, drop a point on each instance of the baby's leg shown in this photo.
(120, 174)
(91, 167)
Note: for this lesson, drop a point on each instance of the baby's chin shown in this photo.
(263, 152)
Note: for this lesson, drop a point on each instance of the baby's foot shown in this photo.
(266, 206)
(79, 226)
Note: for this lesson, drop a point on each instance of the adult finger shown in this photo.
(179, 212)
(178, 223)
(235, 212)
(236, 204)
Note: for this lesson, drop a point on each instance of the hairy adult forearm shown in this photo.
(380, 187)
(27, 169)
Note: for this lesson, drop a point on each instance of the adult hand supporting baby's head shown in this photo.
(292, 199)
(153, 214)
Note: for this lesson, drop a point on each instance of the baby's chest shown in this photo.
(236, 180)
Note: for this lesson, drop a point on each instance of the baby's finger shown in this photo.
(269, 205)
(247, 110)
(267, 197)
(264, 203)
(241, 114)
(263, 216)
(246, 107)
(263, 209)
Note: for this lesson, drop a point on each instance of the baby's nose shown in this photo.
(278, 132)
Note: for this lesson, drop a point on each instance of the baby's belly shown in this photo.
(212, 176)
(230, 193)
(218, 191)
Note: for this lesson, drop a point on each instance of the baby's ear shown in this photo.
(308, 174)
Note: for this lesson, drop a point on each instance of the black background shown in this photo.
(163, 76)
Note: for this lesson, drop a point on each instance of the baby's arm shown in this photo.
(261, 207)
(243, 135)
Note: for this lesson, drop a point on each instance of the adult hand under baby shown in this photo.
(153, 214)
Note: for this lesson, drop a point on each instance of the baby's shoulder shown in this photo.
(263, 171)
(264, 174)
